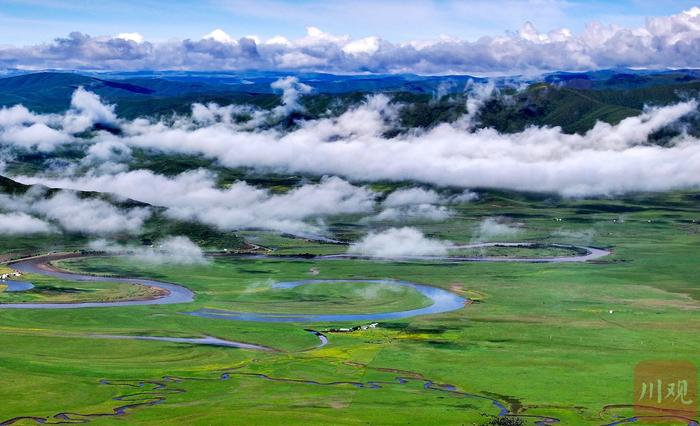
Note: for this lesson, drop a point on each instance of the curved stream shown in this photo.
(441, 301)
(592, 253)
(173, 293)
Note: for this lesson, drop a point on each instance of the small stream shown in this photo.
(441, 301)
(173, 293)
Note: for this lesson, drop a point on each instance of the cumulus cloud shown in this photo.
(399, 242)
(668, 41)
(177, 250)
(22, 224)
(220, 36)
(135, 37)
(291, 89)
(45, 132)
(86, 110)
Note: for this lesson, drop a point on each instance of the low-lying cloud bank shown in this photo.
(608, 159)
(34, 212)
(399, 242)
(669, 41)
(495, 229)
(418, 204)
(23, 224)
(194, 196)
(44, 132)
(605, 160)
(172, 250)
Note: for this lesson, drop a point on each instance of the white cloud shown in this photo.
(667, 41)
(37, 136)
(108, 150)
(16, 115)
(219, 36)
(299, 60)
(316, 36)
(75, 214)
(135, 37)
(465, 197)
(478, 95)
(22, 128)
(176, 250)
(22, 223)
(363, 46)
(45, 132)
(291, 89)
(412, 213)
(608, 159)
(195, 196)
(412, 204)
(86, 110)
(410, 196)
(399, 242)
(494, 229)
(92, 216)
(280, 40)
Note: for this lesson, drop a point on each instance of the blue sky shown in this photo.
(34, 21)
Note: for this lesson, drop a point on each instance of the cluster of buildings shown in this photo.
(10, 275)
(350, 330)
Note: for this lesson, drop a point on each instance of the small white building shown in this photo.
(368, 326)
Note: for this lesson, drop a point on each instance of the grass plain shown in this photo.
(557, 340)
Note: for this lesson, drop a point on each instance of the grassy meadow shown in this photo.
(556, 340)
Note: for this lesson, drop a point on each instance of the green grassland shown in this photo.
(559, 340)
(243, 285)
(52, 290)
